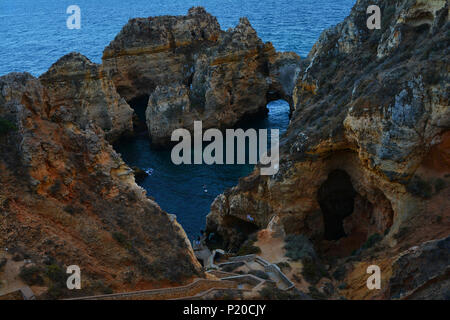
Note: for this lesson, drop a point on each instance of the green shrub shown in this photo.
(100, 287)
(439, 185)
(56, 274)
(313, 271)
(284, 265)
(299, 247)
(271, 292)
(55, 291)
(31, 275)
(122, 239)
(3, 262)
(57, 278)
(316, 294)
(55, 189)
(260, 274)
(73, 209)
(248, 248)
(420, 188)
(403, 231)
(339, 273)
(371, 241)
(343, 286)
(232, 267)
(6, 126)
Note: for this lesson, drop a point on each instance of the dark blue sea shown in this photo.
(33, 35)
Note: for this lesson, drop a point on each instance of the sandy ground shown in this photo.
(9, 277)
(272, 250)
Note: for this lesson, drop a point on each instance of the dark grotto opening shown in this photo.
(336, 198)
(139, 105)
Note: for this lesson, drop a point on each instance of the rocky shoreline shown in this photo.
(369, 138)
(364, 168)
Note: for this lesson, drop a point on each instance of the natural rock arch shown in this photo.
(192, 70)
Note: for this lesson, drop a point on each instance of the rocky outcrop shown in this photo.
(68, 199)
(433, 280)
(368, 137)
(80, 92)
(192, 70)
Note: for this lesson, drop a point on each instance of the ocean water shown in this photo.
(33, 35)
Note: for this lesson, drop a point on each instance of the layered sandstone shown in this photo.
(79, 92)
(192, 70)
(67, 198)
(366, 151)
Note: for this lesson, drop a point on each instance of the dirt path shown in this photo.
(271, 247)
(9, 277)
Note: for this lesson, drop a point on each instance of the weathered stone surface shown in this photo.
(192, 70)
(67, 198)
(374, 104)
(80, 92)
(433, 281)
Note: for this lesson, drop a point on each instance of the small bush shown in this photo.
(232, 267)
(6, 126)
(284, 265)
(72, 209)
(56, 274)
(57, 278)
(55, 188)
(439, 185)
(403, 231)
(122, 239)
(339, 273)
(316, 294)
(100, 287)
(248, 248)
(55, 291)
(31, 275)
(3, 262)
(343, 286)
(271, 292)
(371, 241)
(299, 247)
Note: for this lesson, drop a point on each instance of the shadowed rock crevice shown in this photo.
(336, 197)
(139, 105)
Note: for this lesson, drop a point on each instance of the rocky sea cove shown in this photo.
(355, 204)
(180, 190)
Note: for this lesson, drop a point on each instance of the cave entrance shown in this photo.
(336, 198)
(139, 105)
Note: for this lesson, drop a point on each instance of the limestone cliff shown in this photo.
(67, 198)
(192, 70)
(80, 92)
(366, 154)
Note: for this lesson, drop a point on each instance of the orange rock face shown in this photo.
(191, 70)
(377, 111)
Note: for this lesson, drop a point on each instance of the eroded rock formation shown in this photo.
(192, 70)
(79, 92)
(67, 198)
(372, 104)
